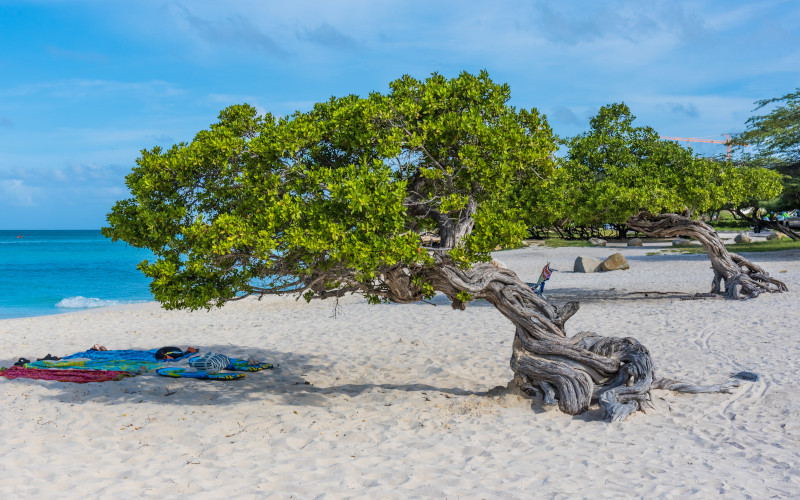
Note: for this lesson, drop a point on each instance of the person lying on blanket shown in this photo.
(173, 352)
(169, 353)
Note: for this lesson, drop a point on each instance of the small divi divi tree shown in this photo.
(625, 174)
(332, 201)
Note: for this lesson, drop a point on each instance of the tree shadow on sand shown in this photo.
(285, 385)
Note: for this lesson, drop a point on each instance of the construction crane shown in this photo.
(727, 141)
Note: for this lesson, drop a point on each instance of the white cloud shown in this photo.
(230, 29)
(687, 109)
(29, 181)
(81, 56)
(593, 22)
(76, 89)
(564, 114)
(16, 193)
(327, 36)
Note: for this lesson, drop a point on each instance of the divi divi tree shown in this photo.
(332, 201)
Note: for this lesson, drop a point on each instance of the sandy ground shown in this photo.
(391, 401)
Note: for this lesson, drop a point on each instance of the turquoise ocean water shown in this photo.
(50, 272)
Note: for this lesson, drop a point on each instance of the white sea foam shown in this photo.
(80, 302)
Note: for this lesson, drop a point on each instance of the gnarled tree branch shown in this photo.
(740, 277)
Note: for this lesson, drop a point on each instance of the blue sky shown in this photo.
(85, 85)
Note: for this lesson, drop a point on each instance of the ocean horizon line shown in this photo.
(29, 229)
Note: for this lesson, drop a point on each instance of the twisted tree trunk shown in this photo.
(575, 371)
(741, 278)
(572, 371)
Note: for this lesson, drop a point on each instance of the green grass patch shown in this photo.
(510, 247)
(731, 225)
(764, 246)
(727, 222)
(725, 215)
(758, 246)
(558, 243)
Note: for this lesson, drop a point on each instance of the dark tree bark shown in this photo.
(452, 231)
(740, 277)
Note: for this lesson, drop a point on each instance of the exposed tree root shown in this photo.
(700, 296)
(678, 386)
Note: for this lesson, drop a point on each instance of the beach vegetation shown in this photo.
(775, 134)
(774, 140)
(336, 200)
(725, 220)
(752, 247)
(560, 242)
(617, 169)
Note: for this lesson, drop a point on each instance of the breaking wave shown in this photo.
(80, 302)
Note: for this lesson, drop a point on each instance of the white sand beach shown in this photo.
(391, 401)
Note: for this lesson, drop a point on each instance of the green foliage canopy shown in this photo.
(616, 169)
(331, 201)
(776, 133)
(776, 139)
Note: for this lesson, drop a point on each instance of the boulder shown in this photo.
(743, 238)
(635, 242)
(615, 262)
(598, 242)
(776, 236)
(586, 265)
(677, 242)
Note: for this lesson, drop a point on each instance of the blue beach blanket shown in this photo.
(142, 361)
(128, 355)
(117, 365)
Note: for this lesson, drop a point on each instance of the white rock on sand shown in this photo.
(390, 401)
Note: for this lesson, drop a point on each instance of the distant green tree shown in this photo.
(776, 133)
(617, 169)
(775, 137)
(331, 202)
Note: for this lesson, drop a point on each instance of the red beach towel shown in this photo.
(77, 376)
